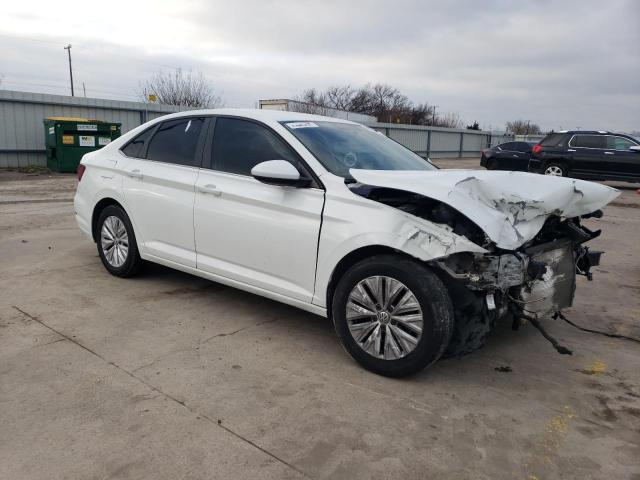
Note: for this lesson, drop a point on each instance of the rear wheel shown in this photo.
(555, 170)
(117, 245)
(393, 315)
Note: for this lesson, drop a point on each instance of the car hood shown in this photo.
(511, 207)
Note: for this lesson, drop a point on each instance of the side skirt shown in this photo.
(309, 307)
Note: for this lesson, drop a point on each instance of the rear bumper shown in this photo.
(83, 219)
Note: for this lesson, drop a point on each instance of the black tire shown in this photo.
(434, 301)
(561, 166)
(133, 262)
(492, 164)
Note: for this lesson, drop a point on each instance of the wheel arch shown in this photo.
(97, 209)
(351, 259)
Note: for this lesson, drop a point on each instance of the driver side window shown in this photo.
(619, 143)
(239, 145)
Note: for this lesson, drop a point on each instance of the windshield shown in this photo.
(341, 146)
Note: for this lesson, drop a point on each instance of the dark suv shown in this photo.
(588, 154)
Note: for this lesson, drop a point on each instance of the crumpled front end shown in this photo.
(532, 252)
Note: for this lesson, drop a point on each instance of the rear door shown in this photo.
(623, 163)
(262, 235)
(159, 188)
(588, 154)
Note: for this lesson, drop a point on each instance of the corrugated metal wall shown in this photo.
(436, 142)
(22, 134)
(22, 113)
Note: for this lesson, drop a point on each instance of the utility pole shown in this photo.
(433, 122)
(68, 49)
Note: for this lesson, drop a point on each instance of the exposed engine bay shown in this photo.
(535, 281)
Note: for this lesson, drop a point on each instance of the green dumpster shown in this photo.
(67, 139)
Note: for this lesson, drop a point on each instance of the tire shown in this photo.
(427, 296)
(556, 169)
(123, 258)
(492, 165)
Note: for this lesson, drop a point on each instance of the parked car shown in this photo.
(410, 262)
(588, 154)
(507, 156)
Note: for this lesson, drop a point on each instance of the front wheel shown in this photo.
(393, 315)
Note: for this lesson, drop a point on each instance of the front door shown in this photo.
(624, 163)
(257, 234)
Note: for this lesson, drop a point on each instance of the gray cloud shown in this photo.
(561, 64)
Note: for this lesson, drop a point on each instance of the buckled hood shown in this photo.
(511, 207)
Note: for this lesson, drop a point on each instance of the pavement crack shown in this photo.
(168, 396)
(238, 330)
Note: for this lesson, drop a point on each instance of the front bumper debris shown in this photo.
(556, 285)
(539, 281)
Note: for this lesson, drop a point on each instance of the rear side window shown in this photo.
(523, 147)
(588, 141)
(176, 141)
(619, 143)
(136, 147)
(552, 140)
(239, 145)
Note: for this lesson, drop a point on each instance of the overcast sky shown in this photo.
(561, 64)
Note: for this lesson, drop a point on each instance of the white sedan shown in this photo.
(409, 261)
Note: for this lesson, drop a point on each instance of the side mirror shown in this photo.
(635, 148)
(279, 172)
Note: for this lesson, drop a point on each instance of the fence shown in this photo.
(436, 142)
(22, 113)
(22, 137)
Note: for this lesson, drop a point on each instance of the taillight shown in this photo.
(536, 149)
(80, 171)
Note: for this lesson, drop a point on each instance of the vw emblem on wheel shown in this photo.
(383, 317)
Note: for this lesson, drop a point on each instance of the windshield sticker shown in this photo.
(294, 125)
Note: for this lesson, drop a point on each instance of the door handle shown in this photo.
(210, 189)
(570, 150)
(135, 174)
(608, 153)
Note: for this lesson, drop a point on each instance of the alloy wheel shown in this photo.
(553, 170)
(114, 241)
(384, 317)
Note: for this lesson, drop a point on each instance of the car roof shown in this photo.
(263, 115)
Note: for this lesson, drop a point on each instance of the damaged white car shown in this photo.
(410, 262)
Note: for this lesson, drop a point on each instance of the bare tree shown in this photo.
(523, 127)
(380, 100)
(186, 89)
(448, 120)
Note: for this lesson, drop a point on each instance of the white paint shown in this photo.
(511, 207)
(284, 243)
(277, 169)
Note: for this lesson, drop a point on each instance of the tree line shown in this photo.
(382, 101)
